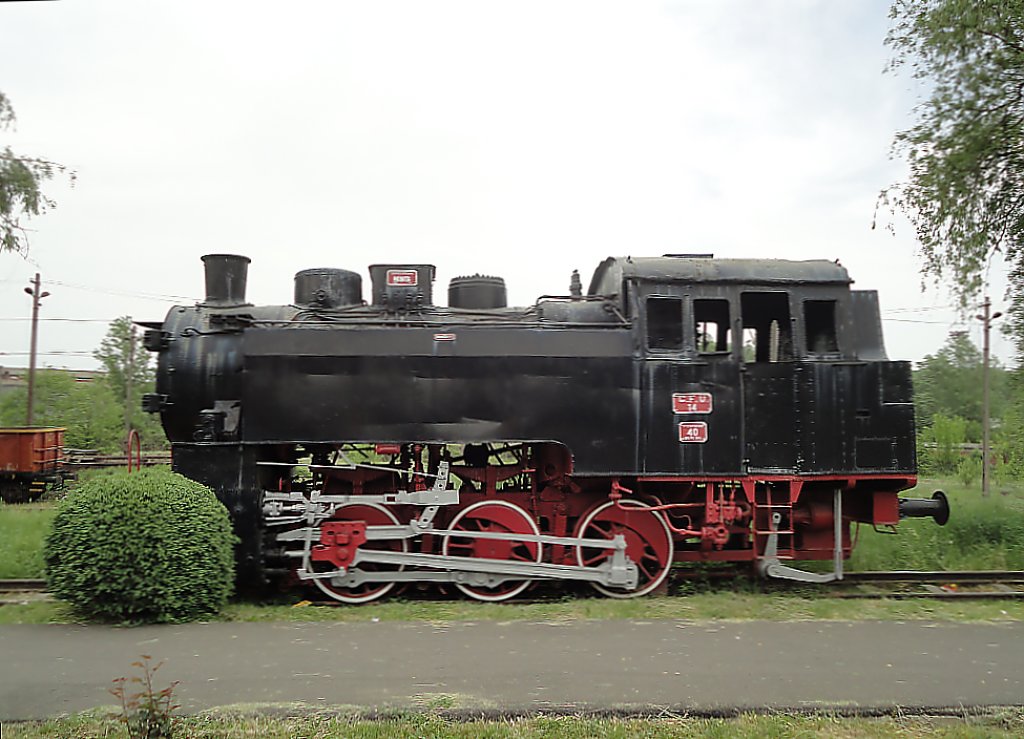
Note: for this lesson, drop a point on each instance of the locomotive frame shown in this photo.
(686, 409)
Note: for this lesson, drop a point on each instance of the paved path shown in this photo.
(47, 670)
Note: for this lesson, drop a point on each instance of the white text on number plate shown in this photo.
(691, 403)
(693, 432)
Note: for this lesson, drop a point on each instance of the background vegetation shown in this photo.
(96, 414)
(948, 389)
(982, 534)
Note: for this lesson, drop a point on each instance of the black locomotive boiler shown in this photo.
(685, 409)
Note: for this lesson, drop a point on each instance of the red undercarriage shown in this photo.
(666, 518)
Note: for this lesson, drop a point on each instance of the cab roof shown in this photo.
(610, 274)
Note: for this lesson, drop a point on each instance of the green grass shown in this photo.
(23, 529)
(982, 533)
(738, 603)
(434, 724)
(720, 604)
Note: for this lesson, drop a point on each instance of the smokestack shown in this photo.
(225, 279)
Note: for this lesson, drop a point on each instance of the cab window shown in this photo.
(820, 326)
(665, 324)
(767, 329)
(711, 325)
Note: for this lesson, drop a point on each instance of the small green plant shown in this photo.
(969, 470)
(939, 444)
(150, 546)
(146, 713)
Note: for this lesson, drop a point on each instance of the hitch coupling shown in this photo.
(937, 507)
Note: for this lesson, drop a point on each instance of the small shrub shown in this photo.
(146, 713)
(151, 546)
(969, 470)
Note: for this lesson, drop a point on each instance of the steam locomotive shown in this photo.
(683, 410)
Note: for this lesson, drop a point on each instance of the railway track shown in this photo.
(1004, 585)
(22, 586)
(1007, 577)
(1000, 585)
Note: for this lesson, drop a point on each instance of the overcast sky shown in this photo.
(523, 139)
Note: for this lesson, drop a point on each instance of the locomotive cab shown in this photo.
(758, 366)
(773, 374)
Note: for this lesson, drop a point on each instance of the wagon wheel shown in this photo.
(493, 516)
(648, 543)
(373, 514)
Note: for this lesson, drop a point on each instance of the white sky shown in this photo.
(523, 139)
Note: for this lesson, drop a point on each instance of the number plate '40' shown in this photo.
(693, 432)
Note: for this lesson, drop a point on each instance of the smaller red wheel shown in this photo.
(648, 543)
(493, 516)
(373, 514)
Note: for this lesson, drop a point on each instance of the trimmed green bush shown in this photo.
(150, 546)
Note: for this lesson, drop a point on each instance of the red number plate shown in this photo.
(693, 432)
(402, 277)
(692, 403)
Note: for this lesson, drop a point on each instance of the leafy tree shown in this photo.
(20, 193)
(965, 191)
(1010, 434)
(129, 374)
(89, 411)
(950, 383)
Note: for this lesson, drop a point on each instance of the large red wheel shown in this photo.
(373, 514)
(494, 517)
(648, 543)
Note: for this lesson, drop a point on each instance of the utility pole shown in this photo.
(36, 297)
(128, 377)
(986, 319)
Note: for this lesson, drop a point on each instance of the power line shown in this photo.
(108, 291)
(918, 310)
(914, 320)
(65, 353)
(69, 320)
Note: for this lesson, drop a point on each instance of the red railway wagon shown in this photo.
(30, 457)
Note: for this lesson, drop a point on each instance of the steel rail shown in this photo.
(937, 577)
(936, 594)
(938, 584)
(20, 586)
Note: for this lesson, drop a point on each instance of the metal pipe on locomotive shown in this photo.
(685, 409)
